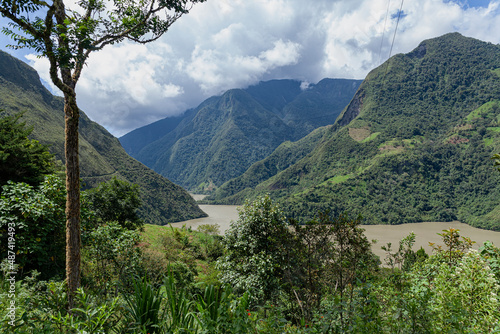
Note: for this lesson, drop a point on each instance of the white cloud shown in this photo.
(215, 70)
(224, 44)
(42, 66)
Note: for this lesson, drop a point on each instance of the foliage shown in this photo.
(255, 254)
(22, 159)
(32, 225)
(430, 296)
(41, 308)
(492, 255)
(404, 257)
(212, 229)
(330, 256)
(144, 308)
(88, 316)
(179, 305)
(117, 201)
(219, 311)
(465, 296)
(454, 247)
(191, 256)
(110, 258)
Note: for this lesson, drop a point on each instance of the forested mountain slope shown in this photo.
(413, 145)
(226, 134)
(101, 155)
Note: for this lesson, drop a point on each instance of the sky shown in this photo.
(224, 44)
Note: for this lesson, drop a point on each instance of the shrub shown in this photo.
(33, 219)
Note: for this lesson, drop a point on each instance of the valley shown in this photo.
(413, 142)
(277, 180)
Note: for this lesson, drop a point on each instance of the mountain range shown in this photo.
(222, 137)
(101, 155)
(414, 144)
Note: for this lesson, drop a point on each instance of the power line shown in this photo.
(383, 33)
(393, 38)
(395, 30)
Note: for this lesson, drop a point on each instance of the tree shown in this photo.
(67, 36)
(117, 201)
(22, 159)
(256, 250)
(330, 256)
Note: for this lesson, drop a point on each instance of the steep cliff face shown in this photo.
(353, 109)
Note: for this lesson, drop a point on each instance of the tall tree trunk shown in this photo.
(73, 241)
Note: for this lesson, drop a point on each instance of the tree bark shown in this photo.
(73, 242)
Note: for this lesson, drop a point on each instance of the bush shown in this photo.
(32, 226)
(111, 258)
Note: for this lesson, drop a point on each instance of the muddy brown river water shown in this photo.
(425, 232)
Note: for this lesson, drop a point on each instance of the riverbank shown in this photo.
(425, 232)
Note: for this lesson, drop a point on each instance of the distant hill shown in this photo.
(226, 134)
(414, 144)
(101, 155)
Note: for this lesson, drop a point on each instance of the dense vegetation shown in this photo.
(101, 155)
(413, 145)
(226, 134)
(269, 274)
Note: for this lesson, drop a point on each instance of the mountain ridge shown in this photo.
(226, 134)
(414, 144)
(101, 155)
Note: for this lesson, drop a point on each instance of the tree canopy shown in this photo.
(117, 201)
(22, 159)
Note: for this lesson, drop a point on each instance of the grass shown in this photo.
(390, 143)
(359, 134)
(483, 110)
(151, 235)
(371, 137)
(390, 151)
(488, 141)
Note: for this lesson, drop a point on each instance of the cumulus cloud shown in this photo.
(42, 66)
(223, 44)
(215, 70)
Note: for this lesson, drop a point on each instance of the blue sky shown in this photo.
(476, 3)
(223, 44)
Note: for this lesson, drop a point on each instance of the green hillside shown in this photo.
(219, 143)
(101, 155)
(288, 153)
(225, 135)
(413, 145)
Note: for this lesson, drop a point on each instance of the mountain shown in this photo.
(226, 134)
(101, 155)
(236, 190)
(414, 144)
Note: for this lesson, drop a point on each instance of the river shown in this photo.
(425, 232)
